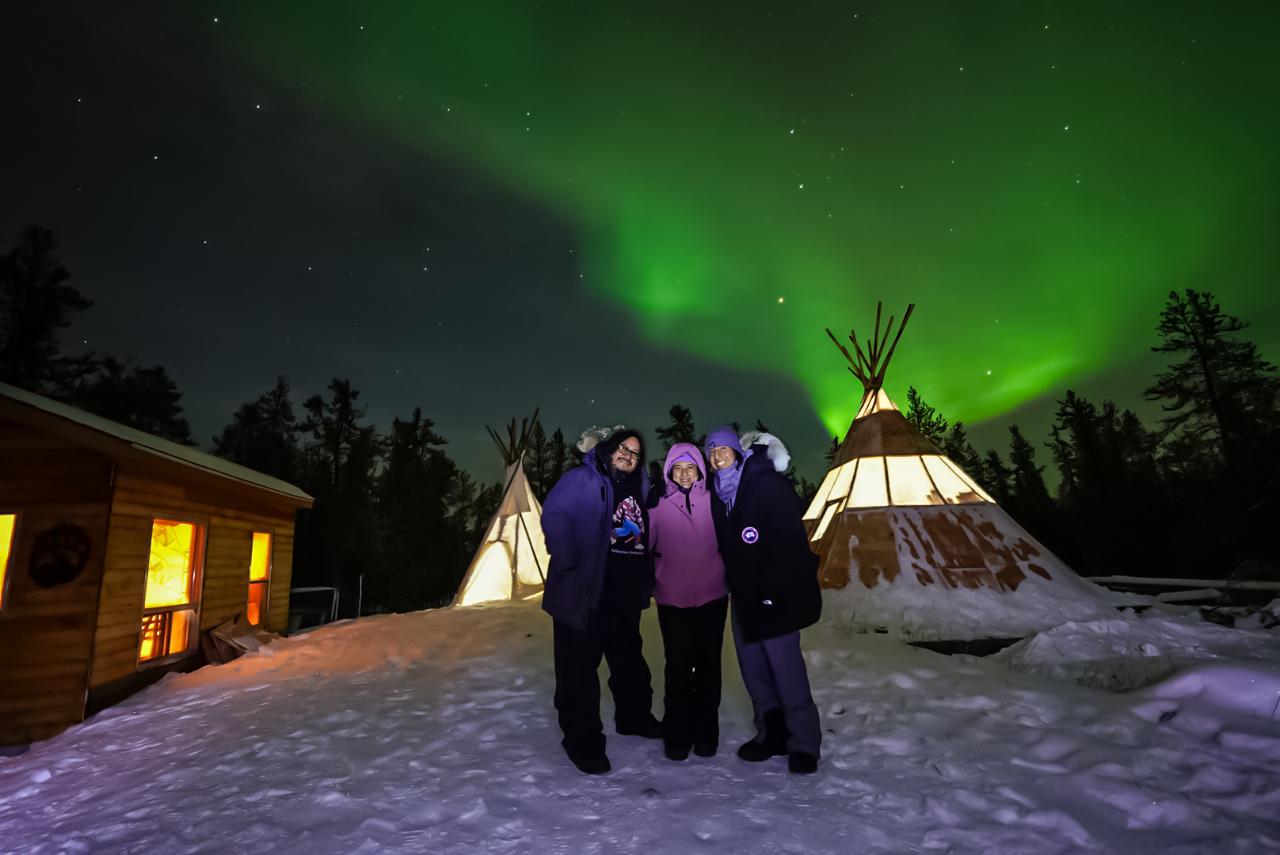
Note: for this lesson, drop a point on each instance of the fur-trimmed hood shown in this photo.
(776, 451)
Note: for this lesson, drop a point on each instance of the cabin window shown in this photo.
(8, 523)
(173, 577)
(259, 578)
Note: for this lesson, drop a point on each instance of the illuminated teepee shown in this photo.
(917, 547)
(511, 563)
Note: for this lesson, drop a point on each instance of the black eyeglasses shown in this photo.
(627, 453)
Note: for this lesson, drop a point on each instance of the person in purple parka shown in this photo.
(599, 580)
(692, 602)
(773, 582)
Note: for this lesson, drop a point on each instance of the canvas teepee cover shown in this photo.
(915, 545)
(511, 562)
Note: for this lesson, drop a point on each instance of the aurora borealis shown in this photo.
(729, 180)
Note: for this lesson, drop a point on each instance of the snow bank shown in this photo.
(1128, 651)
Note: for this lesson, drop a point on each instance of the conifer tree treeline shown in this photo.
(1193, 497)
(36, 304)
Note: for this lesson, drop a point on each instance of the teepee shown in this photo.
(511, 562)
(914, 544)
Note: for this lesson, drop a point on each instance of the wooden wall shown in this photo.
(46, 634)
(230, 515)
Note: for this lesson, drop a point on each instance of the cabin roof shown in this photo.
(155, 447)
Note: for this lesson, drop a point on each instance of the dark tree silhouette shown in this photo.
(263, 435)
(925, 418)
(418, 548)
(956, 446)
(142, 398)
(338, 540)
(1220, 395)
(35, 305)
(1029, 498)
(679, 429)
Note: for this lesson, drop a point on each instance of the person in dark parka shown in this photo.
(599, 580)
(773, 584)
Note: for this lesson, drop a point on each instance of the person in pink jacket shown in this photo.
(692, 601)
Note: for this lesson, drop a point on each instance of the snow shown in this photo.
(434, 732)
(1128, 651)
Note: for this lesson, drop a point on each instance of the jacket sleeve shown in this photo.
(557, 519)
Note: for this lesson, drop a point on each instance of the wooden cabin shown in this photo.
(118, 550)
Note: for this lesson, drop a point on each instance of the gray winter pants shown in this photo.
(774, 673)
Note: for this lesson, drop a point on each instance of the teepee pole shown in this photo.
(910, 308)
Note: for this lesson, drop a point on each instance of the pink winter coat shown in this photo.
(682, 534)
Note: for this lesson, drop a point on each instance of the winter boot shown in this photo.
(705, 749)
(802, 763)
(589, 762)
(675, 750)
(773, 743)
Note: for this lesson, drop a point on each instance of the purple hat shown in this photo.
(724, 435)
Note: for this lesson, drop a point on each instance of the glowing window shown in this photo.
(259, 577)
(869, 489)
(955, 489)
(910, 482)
(173, 568)
(844, 479)
(820, 497)
(964, 476)
(8, 522)
(826, 521)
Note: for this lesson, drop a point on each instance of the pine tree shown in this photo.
(1027, 490)
(338, 540)
(1220, 395)
(956, 445)
(925, 418)
(535, 460)
(333, 423)
(35, 304)
(559, 460)
(263, 435)
(143, 398)
(997, 478)
(412, 492)
(679, 429)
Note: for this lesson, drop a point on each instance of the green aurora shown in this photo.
(1034, 176)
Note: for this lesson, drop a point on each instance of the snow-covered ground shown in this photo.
(434, 732)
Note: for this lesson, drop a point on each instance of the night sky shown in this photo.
(481, 208)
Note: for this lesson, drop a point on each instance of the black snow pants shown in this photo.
(613, 632)
(692, 639)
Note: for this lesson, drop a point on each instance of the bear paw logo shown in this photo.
(750, 534)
